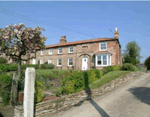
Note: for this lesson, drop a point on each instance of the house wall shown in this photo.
(87, 50)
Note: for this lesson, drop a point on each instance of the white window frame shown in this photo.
(42, 52)
(69, 49)
(57, 62)
(42, 61)
(59, 51)
(100, 46)
(49, 61)
(102, 59)
(68, 61)
(50, 51)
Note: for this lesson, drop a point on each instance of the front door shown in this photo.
(84, 63)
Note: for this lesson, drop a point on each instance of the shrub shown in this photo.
(105, 70)
(72, 83)
(92, 76)
(147, 63)
(5, 87)
(98, 73)
(39, 93)
(49, 66)
(36, 66)
(2, 60)
(8, 67)
(129, 67)
(116, 67)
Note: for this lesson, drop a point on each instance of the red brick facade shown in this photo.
(89, 49)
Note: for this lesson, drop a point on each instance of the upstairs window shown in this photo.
(103, 46)
(70, 61)
(50, 51)
(59, 50)
(42, 52)
(71, 49)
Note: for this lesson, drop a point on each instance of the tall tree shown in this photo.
(18, 41)
(132, 53)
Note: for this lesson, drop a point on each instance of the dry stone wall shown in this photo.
(52, 106)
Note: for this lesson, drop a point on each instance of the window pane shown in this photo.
(104, 59)
(99, 62)
(60, 50)
(70, 61)
(59, 61)
(71, 49)
(109, 60)
(103, 46)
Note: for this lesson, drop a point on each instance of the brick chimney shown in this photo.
(63, 39)
(116, 33)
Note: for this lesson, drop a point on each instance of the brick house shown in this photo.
(82, 55)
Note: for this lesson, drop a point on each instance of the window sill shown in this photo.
(60, 53)
(59, 65)
(102, 65)
(103, 50)
(70, 52)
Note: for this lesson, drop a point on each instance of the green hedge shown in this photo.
(129, 67)
(2, 60)
(8, 67)
(5, 87)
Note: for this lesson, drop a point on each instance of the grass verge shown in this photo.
(107, 78)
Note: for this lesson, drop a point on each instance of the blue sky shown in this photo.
(92, 19)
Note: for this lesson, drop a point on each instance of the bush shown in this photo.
(36, 66)
(129, 67)
(147, 63)
(92, 76)
(8, 67)
(116, 68)
(47, 66)
(98, 73)
(105, 70)
(72, 83)
(5, 87)
(2, 60)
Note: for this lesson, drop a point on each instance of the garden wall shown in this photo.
(52, 106)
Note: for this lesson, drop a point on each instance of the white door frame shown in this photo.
(84, 64)
(34, 61)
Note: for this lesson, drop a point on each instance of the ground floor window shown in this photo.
(70, 61)
(103, 60)
(49, 61)
(59, 62)
(34, 61)
(41, 62)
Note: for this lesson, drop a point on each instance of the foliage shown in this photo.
(107, 69)
(98, 73)
(39, 93)
(107, 78)
(18, 40)
(147, 63)
(116, 67)
(132, 53)
(129, 67)
(8, 67)
(2, 60)
(91, 76)
(5, 87)
(72, 83)
(47, 66)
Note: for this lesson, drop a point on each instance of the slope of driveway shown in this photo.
(132, 99)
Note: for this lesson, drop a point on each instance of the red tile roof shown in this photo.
(80, 42)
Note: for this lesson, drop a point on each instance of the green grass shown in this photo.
(107, 78)
(53, 73)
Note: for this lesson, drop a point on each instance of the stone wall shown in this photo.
(65, 101)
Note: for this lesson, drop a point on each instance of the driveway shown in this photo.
(130, 100)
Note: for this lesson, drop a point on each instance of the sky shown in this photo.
(83, 20)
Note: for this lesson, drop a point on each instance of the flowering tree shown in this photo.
(19, 42)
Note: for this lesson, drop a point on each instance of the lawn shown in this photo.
(107, 78)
